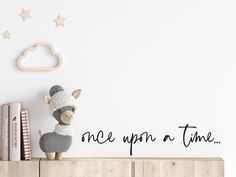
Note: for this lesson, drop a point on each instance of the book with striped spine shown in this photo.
(25, 135)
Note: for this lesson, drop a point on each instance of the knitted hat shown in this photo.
(61, 99)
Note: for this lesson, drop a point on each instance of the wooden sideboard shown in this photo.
(114, 167)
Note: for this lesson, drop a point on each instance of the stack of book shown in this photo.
(15, 134)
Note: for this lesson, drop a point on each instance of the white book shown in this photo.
(14, 131)
(4, 132)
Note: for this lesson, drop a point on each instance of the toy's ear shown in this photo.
(76, 93)
(47, 99)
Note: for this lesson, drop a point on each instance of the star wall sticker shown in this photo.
(7, 35)
(60, 21)
(25, 14)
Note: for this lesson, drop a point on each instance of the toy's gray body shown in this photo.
(52, 142)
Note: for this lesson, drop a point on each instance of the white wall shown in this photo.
(142, 65)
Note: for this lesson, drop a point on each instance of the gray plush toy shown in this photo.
(63, 107)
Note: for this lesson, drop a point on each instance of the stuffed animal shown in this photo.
(63, 107)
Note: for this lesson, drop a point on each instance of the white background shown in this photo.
(141, 65)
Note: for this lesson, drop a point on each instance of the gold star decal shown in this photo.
(60, 21)
(25, 14)
(7, 35)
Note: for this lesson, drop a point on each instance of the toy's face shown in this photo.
(64, 115)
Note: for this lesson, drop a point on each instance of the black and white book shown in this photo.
(14, 131)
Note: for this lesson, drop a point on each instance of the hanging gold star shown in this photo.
(25, 14)
(7, 35)
(60, 21)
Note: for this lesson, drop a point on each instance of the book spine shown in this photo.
(14, 131)
(4, 132)
(26, 148)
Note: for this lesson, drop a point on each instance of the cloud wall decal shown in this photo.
(26, 52)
